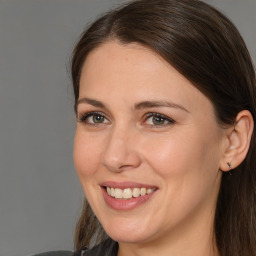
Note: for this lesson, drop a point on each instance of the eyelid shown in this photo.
(155, 114)
(84, 116)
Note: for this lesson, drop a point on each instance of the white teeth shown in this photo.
(136, 192)
(128, 193)
(149, 191)
(143, 191)
(112, 192)
(118, 193)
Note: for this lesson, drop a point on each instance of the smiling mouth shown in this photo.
(128, 193)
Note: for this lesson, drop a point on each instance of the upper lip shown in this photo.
(126, 184)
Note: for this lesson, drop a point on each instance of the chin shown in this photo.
(128, 237)
(128, 233)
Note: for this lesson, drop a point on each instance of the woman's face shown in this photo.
(146, 136)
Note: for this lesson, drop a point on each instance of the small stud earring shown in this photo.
(230, 167)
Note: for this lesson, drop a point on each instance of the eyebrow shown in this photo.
(158, 104)
(92, 102)
(138, 106)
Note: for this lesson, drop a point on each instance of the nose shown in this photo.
(121, 152)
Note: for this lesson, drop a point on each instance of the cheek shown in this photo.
(168, 154)
(182, 156)
(188, 168)
(86, 155)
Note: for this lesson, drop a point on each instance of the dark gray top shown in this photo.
(56, 253)
(107, 248)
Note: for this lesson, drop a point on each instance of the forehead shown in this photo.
(126, 63)
(133, 72)
(120, 56)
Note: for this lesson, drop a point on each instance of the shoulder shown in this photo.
(57, 253)
(106, 248)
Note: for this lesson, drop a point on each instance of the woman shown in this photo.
(165, 142)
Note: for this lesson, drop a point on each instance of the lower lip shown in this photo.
(125, 204)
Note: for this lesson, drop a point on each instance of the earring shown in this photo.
(230, 167)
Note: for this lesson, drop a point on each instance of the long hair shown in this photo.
(205, 47)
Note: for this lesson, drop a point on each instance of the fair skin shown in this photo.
(151, 127)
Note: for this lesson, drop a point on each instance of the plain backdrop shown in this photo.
(40, 195)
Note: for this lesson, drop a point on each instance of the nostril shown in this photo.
(120, 152)
(126, 162)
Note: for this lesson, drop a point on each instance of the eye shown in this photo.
(157, 119)
(93, 118)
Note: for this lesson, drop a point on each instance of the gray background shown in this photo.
(40, 195)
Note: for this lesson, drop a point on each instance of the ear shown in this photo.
(239, 138)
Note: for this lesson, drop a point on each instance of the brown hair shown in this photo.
(206, 48)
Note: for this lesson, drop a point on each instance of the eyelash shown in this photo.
(158, 115)
(83, 118)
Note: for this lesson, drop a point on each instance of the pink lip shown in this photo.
(125, 204)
